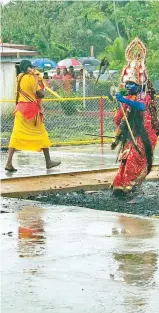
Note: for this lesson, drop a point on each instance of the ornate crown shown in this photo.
(135, 70)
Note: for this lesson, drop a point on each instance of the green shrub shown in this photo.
(102, 88)
(71, 106)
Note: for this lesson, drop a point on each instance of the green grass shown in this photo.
(63, 128)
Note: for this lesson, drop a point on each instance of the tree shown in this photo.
(140, 19)
(115, 53)
(60, 29)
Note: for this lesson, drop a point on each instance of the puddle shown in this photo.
(72, 259)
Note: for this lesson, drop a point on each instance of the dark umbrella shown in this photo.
(89, 61)
(42, 63)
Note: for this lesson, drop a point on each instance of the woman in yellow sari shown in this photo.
(29, 132)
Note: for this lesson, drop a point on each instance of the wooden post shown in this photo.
(92, 51)
(101, 114)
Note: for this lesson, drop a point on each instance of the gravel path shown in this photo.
(144, 201)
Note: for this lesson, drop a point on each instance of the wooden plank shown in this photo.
(85, 180)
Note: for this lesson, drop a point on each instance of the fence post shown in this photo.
(101, 120)
(84, 87)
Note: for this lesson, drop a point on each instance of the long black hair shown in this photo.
(24, 64)
(135, 119)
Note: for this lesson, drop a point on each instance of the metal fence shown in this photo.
(69, 120)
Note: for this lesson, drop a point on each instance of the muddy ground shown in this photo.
(144, 201)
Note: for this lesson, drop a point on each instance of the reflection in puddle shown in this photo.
(137, 268)
(31, 240)
(136, 227)
(135, 303)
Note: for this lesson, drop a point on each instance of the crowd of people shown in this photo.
(67, 79)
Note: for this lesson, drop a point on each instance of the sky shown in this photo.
(4, 1)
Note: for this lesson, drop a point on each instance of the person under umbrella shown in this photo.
(73, 78)
(58, 74)
(47, 79)
(66, 81)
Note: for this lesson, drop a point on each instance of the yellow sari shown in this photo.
(26, 134)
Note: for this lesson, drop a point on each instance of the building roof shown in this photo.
(16, 60)
(7, 51)
(18, 46)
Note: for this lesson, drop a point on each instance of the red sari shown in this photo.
(133, 168)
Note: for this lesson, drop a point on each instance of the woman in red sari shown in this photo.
(136, 159)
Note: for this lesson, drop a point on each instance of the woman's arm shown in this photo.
(133, 104)
(35, 86)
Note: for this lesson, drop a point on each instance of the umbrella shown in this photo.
(61, 66)
(89, 61)
(70, 62)
(44, 63)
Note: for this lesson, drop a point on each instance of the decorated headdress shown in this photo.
(135, 70)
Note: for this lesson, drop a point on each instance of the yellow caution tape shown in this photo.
(60, 98)
(63, 99)
(52, 92)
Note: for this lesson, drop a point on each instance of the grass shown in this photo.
(75, 127)
(63, 128)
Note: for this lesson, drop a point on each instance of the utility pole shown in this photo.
(91, 51)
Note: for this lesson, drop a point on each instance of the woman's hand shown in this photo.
(119, 97)
(113, 145)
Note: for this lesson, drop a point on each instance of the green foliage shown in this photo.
(123, 91)
(140, 19)
(60, 29)
(69, 107)
(102, 88)
(57, 29)
(115, 53)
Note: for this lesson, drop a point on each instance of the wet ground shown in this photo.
(73, 158)
(66, 253)
(72, 259)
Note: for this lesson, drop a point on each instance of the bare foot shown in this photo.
(53, 164)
